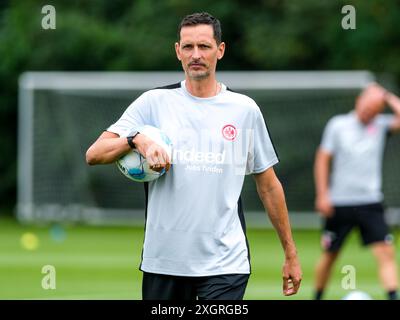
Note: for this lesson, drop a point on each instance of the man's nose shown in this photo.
(196, 53)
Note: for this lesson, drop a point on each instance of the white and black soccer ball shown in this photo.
(134, 166)
(357, 295)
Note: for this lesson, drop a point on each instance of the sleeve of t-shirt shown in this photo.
(328, 142)
(262, 154)
(136, 115)
(386, 120)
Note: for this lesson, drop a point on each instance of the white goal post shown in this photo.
(61, 113)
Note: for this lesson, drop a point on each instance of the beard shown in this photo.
(197, 74)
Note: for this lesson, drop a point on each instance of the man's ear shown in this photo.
(221, 50)
(177, 51)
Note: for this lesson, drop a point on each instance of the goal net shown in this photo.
(62, 113)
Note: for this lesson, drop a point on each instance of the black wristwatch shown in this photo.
(130, 138)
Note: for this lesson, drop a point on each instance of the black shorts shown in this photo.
(368, 218)
(220, 287)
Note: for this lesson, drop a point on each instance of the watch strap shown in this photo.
(130, 138)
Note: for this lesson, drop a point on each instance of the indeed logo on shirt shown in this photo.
(192, 155)
(208, 152)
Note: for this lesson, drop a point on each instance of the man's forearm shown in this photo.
(106, 151)
(321, 179)
(321, 173)
(273, 200)
(393, 101)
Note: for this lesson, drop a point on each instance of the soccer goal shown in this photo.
(62, 113)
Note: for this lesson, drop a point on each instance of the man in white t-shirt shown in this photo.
(349, 195)
(195, 243)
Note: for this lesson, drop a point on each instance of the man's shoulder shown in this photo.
(241, 99)
(164, 89)
(172, 86)
(239, 95)
(384, 117)
(161, 92)
(340, 119)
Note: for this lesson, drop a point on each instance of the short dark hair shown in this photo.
(202, 18)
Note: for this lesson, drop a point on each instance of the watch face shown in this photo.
(133, 134)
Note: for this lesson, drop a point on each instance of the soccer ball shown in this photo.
(357, 295)
(134, 166)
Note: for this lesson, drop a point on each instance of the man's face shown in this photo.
(370, 103)
(198, 51)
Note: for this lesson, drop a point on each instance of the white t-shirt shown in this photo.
(194, 223)
(357, 151)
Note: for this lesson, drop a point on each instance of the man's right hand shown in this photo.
(156, 156)
(324, 207)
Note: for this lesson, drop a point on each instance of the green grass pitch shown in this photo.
(102, 263)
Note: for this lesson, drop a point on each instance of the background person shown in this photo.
(349, 195)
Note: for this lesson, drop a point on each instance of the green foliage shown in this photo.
(125, 35)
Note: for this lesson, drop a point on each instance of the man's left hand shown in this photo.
(292, 276)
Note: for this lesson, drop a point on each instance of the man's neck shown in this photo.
(355, 114)
(204, 88)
